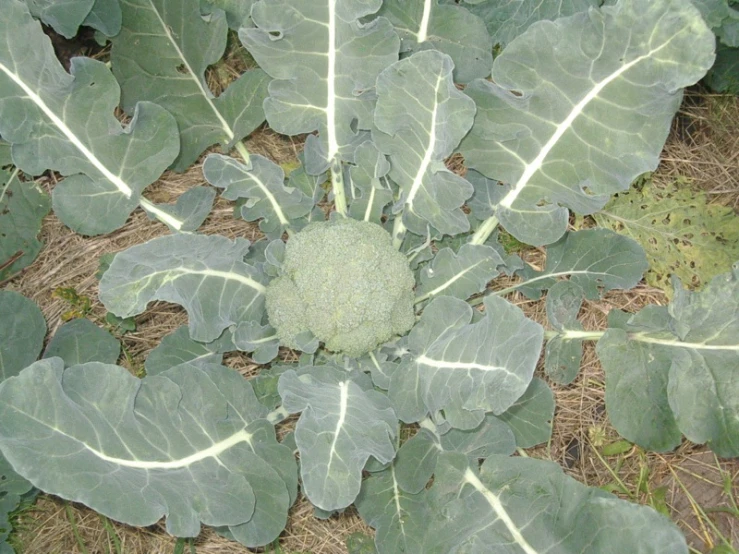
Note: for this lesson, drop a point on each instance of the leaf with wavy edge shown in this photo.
(80, 341)
(23, 205)
(597, 260)
(342, 424)
(206, 275)
(459, 274)
(262, 184)
(450, 29)
(462, 366)
(672, 370)
(581, 106)
(178, 348)
(562, 356)
(523, 505)
(420, 118)
(21, 333)
(184, 444)
(66, 123)
(507, 19)
(186, 44)
(325, 63)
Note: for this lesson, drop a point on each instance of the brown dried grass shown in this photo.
(704, 147)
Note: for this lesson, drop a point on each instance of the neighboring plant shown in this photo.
(576, 109)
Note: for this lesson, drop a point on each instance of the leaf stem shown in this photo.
(484, 231)
(399, 230)
(337, 184)
(243, 152)
(574, 335)
(160, 214)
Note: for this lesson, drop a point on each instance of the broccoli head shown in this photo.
(343, 282)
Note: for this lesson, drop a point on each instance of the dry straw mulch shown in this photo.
(704, 147)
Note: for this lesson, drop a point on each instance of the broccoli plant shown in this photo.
(386, 299)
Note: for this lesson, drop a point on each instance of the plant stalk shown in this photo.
(484, 231)
(399, 230)
(337, 184)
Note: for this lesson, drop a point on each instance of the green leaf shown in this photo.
(449, 29)
(189, 211)
(563, 354)
(597, 260)
(415, 461)
(459, 275)
(325, 63)
(260, 340)
(492, 436)
(237, 11)
(80, 341)
(672, 370)
(724, 75)
(173, 433)
(519, 504)
(105, 16)
(66, 123)
(21, 334)
(531, 416)
(23, 205)
(178, 348)
(185, 44)
(203, 274)
(507, 19)
(579, 107)
(341, 425)
(65, 16)
(12, 489)
(467, 367)
(359, 543)
(399, 517)
(681, 233)
(370, 193)
(262, 184)
(420, 119)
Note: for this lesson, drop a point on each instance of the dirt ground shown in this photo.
(691, 485)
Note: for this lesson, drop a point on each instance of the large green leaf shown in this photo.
(420, 119)
(185, 44)
(465, 368)
(516, 505)
(204, 274)
(66, 123)
(531, 416)
(449, 29)
(325, 63)
(189, 444)
(506, 19)
(22, 207)
(681, 233)
(343, 422)
(65, 16)
(21, 334)
(80, 341)
(581, 106)
(675, 369)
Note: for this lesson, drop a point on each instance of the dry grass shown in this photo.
(704, 147)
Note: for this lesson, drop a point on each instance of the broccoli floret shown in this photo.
(344, 282)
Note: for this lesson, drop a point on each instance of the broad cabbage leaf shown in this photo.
(579, 107)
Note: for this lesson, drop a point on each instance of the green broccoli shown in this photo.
(343, 282)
